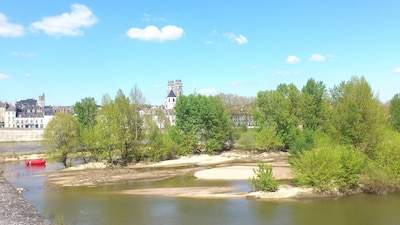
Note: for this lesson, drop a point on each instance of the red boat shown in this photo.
(36, 162)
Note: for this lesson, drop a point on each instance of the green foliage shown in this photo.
(247, 140)
(202, 118)
(86, 111)
(394, 111)
(212, 146)
(358, 117)
(304, 142)
(314, 105)
(263, 179)
(61, 135)
(329, 168)
(377, 180)
(119, 130)
(160, 145)
(267, 140)
(388, 154)
(278, 109)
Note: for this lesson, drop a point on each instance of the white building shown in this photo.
(174, 90)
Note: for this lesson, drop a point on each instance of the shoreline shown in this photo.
(231, 165)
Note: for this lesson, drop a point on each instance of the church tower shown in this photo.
(41, 101)
(174, 90)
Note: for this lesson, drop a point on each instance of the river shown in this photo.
(104, 205)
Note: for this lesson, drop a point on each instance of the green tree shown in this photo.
(106, 130)
(314, 105)
(203, 119)
(358, 117)
(394, 111)
(61, 135)
(329, 168)
(86, 111)
(278, 109)
(136, 120)
(263, 179)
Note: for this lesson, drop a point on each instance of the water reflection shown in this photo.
(104, 205)
(20, 147)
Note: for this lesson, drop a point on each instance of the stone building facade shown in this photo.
(27, 113)
(174, 90)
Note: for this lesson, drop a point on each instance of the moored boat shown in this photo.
(36, 162)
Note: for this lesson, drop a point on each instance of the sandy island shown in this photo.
(231, 165)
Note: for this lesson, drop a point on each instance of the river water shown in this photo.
(104, 205)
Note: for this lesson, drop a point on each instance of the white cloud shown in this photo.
(68, 24)
(207, 91)
(291, 59)
(396, 70)
(23, 54)
(4, 76)
(157, 85)
(152, 33)
(209, 42)
(317, 58)
(237, 39)
(147, 17)
(27, 75)
(234, 83)
(286, 73)
(9, 29)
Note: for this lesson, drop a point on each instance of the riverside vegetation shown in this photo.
(340, 140)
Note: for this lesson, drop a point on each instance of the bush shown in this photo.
(383, 172)
(247, 140)
(263, 180)
(329, 169)
(267, 140)
(212, 146)
(303, 142)
(377, 180)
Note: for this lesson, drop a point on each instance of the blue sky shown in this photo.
(76, 49)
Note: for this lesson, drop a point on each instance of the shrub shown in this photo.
(329, 168)
(303, 142)
(267, 140)
(247, 140)
(263, 180)
(212, 146)
(377, 180)
(383, 172)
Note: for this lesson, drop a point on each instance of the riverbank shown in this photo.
(15, 209)
(231, 165)
(18, 135)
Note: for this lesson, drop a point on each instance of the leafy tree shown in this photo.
(160, 145)
(394, 111)
(266, 139)
(263, 179)
(86, 112)
(61, 135)
(203, 119)
(329, 168)
(276, 109)
(358, 117)
(383, 173)
(106, 130)
(238, 108)
(314, 105)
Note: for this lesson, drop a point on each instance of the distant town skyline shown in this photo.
(73, 50)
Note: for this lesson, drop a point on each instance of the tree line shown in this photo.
(339, 138)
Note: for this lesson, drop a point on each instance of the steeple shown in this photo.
(194, 89)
